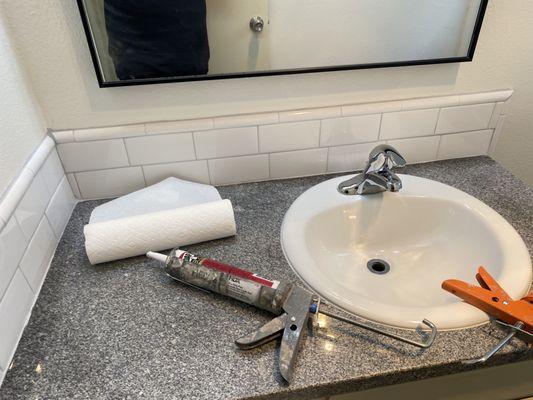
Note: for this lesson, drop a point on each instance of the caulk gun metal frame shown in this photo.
(292, 304)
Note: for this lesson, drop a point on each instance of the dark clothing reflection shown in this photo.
(157, 38)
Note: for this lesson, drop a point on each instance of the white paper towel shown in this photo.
(161, 230)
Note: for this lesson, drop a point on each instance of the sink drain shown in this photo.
(379, 267)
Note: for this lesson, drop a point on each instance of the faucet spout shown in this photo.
(377, 176)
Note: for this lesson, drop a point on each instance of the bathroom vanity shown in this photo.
(126, 330)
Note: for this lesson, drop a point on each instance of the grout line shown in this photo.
(437, 123)
(144, 176)
(76, 182)
(209, 172)
(380, 124)
(127, 153)
(194, 146)
(438, 147)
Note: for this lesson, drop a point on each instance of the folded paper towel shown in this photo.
(120, 230)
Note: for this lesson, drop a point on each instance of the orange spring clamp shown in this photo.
(492, 299)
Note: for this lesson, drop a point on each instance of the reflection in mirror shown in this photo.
(140, 41)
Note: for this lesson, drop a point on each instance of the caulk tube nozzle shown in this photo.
(157, 256)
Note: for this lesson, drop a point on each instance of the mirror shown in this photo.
(151, 41)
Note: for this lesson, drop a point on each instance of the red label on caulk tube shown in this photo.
(226, 268)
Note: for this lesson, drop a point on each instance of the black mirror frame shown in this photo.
(106, 84)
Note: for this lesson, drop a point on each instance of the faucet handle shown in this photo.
(393, 158)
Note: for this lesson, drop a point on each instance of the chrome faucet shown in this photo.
(377, 176)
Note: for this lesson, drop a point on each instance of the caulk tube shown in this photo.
(224, 279)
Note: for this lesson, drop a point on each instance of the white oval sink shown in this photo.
(426, 233)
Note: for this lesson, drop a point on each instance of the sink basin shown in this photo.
(384, 257)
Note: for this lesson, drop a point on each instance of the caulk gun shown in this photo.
(292, 305)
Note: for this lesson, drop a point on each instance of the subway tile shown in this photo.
(195, 171)
(15, 308)
(60, 208)
(12, 246)
(88, 156)
(289, 136)
(298, 163)
(430, 102)
(371, 108)
(417, 150)
(113, 132)
(349, 158)
(350, 130)
(225, 171)
(405, 124)
(157, 128)
(110, 182)
(466, 144)
(234, 121)
(52, 171)
(220, 143)
(465, 118)
(310, 114)
(498, 111)
(36, 259)
(160, 148)
(74, 185)
(32, 205)
(63, 136)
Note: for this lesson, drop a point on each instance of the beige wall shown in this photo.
(21, 125)
(53, 48)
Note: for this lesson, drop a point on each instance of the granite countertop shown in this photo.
(126, 330)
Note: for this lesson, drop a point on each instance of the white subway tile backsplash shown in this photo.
(27, 241)
(349, 158)
(160, 148)
(93, 155)
(110, 182)
(221, 143)
(52, 171)
(298, 163)
(289, 136)
(195, 171)
(14, 312)
(350, 130)
(36, 259)
(417, 150)
(466, 144)
(405, 124)
(12, 246)
(201, 141)
(112, 132)
(371, 108)
(465, 118)
(235, 121)
(157, 128)
(60, 207)
(31, 208)
(225, 171)
(310, 114)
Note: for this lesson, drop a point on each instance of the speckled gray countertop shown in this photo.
(126, 330)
